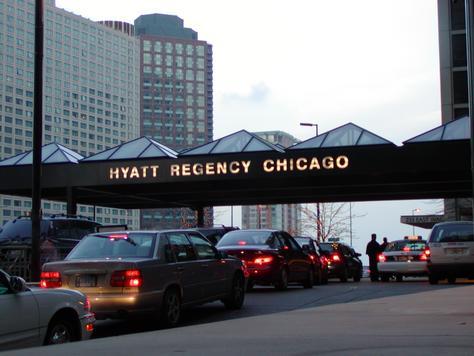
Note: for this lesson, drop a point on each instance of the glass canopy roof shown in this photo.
(240, 141)
(459, 129)
(142, 147)
(50, 153)
(346, 135)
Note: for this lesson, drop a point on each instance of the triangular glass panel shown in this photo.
(131, 149)
(71, 158)
(457, 130)
(13, 160)
(71, 153)
(102, 156)
(432, 135)
(202, 150)
(166, 150)
(56, 157)
(233, 143)
(314, 142)
(47, 150)
(368, 138)
(256, 146)
(346, 135)
(27, 159)
(153, 151)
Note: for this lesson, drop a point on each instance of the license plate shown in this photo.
(402, 258)
(86, 280)
(455, 251)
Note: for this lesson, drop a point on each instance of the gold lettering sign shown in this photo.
(225, 168)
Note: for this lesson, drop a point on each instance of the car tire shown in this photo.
(309, 281)
(325, 278)
(171, 308)
(343, 276)
(60, 331)
(451, 280)
(433, 279)
(399, 278)
(384, 277)
(236, 297)
(318, 280)
(282, 282)
(357, 276)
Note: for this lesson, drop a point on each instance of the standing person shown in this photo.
(383, 244)
(373, 250)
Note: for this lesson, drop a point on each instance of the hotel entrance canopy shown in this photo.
(348, 163)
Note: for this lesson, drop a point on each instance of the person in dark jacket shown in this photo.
(373, 250)
(383, 244)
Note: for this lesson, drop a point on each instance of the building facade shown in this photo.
(454, 82)
(91, 88)
(283, 217)
(176, 97)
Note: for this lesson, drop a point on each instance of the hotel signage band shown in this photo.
(228, 168)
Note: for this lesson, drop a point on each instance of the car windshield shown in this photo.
(20, 230)
(406, 245)
(111, 246)
(328, 247)
(246, 238)
(452, 233)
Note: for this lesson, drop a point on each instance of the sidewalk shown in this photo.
(437, 322)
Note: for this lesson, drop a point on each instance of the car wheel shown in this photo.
(399, 278)
(309, 281)
(282, 282)
(357, 276)
(384, 277)
(60, 331)
(343, 277)
(451, 280)
(236, 295)
(325, 278)
(171, 308)
(433, 279)
(318, 277)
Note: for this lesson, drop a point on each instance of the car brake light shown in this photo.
(114, 237)
(425, 256)
(406, 249)
(312, 257)
(241, 243)
(263, 260)
(87, 305)
(50, 280)
(335, 257)
(382, 258)
(127, 278)
(323, 259)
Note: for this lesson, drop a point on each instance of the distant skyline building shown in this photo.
(176, 97)
(454, 82)
(282, 217)
(91, 88)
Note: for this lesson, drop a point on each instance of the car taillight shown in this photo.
(406, 249)
(382, 258)
(87, 305)
(263, 260)
(323, 259)
(425, 256)
(335, 257)
(127, 278)
(312, 257)
(50, 280)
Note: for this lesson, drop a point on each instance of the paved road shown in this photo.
(267, 300)
(409, 318)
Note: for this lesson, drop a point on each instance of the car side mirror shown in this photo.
(17, 284)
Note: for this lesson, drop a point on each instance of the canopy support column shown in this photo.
(200, 216)
(71, 202)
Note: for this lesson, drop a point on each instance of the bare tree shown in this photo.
(334, 220)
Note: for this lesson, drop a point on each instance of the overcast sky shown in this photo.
(278, 63)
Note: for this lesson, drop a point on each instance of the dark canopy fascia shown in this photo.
(425, 170)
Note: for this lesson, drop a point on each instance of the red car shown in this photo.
(320, 262)
(272, 257)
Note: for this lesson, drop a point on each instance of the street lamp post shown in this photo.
(318, 211)
(413, 211)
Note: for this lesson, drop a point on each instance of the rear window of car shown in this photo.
(247, 238)
(453, 233)
(19, 230)
(133, 245)
(325, 247)
(406, 245)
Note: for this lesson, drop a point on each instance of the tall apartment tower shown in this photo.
(283, 217)
(91, 88)
(454, 81)
(176, 96)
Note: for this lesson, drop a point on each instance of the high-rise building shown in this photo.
(283, 217)
(176, 96)
(454, 81)
(91, 88)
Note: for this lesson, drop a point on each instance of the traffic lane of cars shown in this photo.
(153, 273)
(33, 316)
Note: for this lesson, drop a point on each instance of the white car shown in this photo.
(452, 251)
(403, 258)
(34, 316)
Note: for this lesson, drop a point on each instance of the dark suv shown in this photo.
(215, 233)
(343, 261)
(58, 235)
